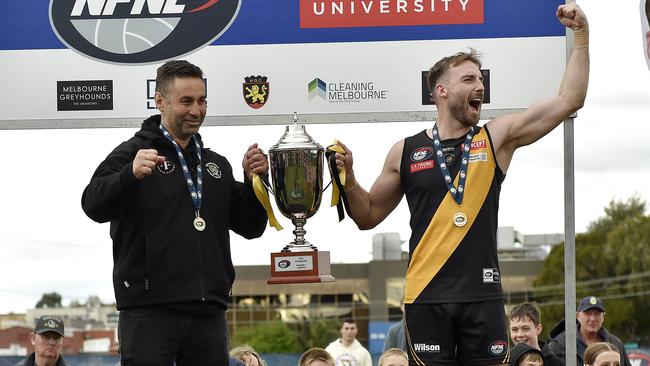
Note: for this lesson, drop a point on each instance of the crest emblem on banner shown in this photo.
(256, 91)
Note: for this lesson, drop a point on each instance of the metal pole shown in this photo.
(569, 228)
(569, 245)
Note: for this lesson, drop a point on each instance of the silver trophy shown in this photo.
(296, 163)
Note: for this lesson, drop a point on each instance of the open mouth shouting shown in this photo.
(475, 104)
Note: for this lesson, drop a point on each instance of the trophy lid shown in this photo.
(296, 138)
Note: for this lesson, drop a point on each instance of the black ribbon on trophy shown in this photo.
(339, 199)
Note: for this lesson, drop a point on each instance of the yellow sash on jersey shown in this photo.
(442, 237)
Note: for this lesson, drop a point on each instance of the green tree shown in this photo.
(49, 300)
(316, 332)
(612, 262)
(268, 338)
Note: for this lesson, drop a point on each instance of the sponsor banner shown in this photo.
(376, 13)
(167, 29)
(84, 95)
(322, 78)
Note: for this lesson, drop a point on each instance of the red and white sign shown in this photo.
(371, 13)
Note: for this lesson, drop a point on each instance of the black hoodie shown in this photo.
(158, 256)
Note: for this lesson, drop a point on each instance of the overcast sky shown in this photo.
(48, 244)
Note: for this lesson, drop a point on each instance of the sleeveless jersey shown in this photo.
(447, 263)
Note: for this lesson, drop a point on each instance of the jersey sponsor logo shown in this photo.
(368, 13)
(166, 167)
(478, 157)
(422, 153)
(416, 167)
(140, 31)
(491, 275)
(423, 347)
(476, 145)
(498, 348)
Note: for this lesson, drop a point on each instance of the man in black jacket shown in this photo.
(47, 339)
(171, 203)
(591, 313)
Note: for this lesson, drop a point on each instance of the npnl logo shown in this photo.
(140, 31)
(317, 87)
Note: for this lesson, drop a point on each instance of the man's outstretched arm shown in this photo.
(512, 131)
(368, 209)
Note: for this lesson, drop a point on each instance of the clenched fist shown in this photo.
(255, 162)
(145, 161)
(571, 16)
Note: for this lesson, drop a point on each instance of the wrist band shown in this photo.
(581, 38)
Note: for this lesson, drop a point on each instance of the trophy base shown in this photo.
(300, 267)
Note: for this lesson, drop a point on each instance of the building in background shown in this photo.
(368, 292)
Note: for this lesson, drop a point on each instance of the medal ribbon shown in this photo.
(456, 193)
(194, 189)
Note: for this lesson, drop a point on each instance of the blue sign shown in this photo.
(26, 24)
(377, 332)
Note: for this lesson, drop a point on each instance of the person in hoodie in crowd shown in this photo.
(47, 339)
(602, 354)
(171, 203)
(525, 327)
(347, 351)
(590, 317)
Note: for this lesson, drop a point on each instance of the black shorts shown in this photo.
(473, 333)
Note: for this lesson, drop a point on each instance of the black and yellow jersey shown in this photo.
(448, 263)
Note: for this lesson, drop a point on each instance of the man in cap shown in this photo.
(47, 339)
(590, 317)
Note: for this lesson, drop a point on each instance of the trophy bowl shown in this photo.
(296, 163)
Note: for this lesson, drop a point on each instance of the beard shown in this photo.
(461, 110)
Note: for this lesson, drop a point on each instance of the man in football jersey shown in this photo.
(451, 176)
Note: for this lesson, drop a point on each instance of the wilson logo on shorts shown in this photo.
(423, 347)
(498, 348)
(140, 31)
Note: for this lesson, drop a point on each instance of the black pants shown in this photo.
(157, 336)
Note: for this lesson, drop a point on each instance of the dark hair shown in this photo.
(524, 311)
(441, 67)
(532, 356)
(349, 321)
(647, 10)
(596, 349)
(173, 69)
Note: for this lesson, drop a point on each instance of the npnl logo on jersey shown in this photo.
(369, 13)
(140, 31)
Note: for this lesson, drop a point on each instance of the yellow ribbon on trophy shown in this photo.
(263, 196)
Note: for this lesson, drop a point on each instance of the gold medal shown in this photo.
(460, 219)
(199, 223)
